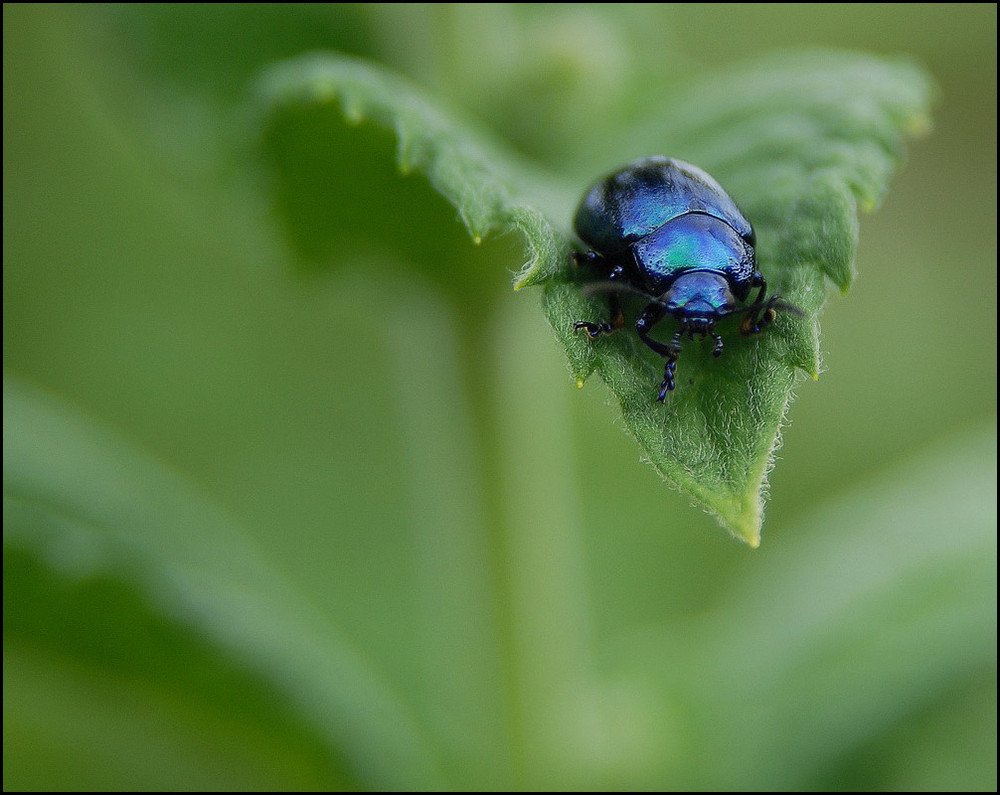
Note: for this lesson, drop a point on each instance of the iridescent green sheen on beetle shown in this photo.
(665, 230)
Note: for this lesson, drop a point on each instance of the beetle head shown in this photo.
(699, 299)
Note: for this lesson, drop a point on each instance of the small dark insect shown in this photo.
(665, 230)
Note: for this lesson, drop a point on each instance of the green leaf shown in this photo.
(800, 141)
(493, 190)
(851, 602)
(113, 562)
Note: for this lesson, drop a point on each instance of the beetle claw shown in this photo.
(718, 345)
(667, 385)
(595, 330)
(755, 323)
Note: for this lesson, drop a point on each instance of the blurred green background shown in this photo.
(390, 433)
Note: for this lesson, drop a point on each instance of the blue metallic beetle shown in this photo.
(665, 230)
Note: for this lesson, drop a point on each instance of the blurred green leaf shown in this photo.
(130, 570)
(878, 616)
(801, 139)
(905, 569)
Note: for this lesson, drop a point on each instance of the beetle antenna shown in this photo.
(774, 302)
(597, 288)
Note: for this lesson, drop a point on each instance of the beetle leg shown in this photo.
(593, 329)
(650, 316)
(588, 257)
(750, 322)
(755, 323)
(667, 385)
(673, 351)
(718, 344)
(616, 319)
(762, 313)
